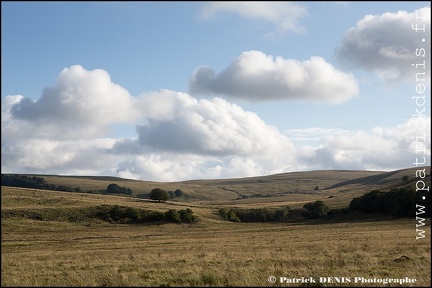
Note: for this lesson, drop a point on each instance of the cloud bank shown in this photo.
(256, 76)
(387, 44)
(178, 137)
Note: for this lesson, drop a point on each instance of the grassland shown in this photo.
(63, 249)
(90, 252)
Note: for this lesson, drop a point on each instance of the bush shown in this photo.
(124, 215)
(171, 194)
(355, 204)
(255, 215)
(178, 193)
(315, 209)
(116, 189)
(172, 216)
(159, 194)
(282, 214)
(232, 216)
(187, 216)
(397, 202)
(369, 201)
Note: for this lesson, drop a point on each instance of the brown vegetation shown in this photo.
(83, 251)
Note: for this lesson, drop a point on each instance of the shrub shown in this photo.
(316, 209)
(172, 216)
(355, 204)
(159, 194)
(187, 216)
(178, 193)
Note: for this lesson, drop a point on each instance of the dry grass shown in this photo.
(210, 253)
(224, 189)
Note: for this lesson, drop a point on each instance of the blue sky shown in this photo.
(169, 91)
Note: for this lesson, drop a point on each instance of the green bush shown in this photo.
(315, 209)
(159, 195)
(173, 216)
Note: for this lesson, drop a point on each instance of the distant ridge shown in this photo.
(317, 182)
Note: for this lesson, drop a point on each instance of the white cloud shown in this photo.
(179, 137)
(74, 156)
(313, 134)
(177, 122)
(378, 149)
(259, 77)
(387, 44)
(284, 15)
(82, 102)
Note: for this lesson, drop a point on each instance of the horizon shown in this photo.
(216, 179)
(174, 91)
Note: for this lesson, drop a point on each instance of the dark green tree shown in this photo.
(355, 204)
(316, 209)
(114, 188)
(178, 193)
(372, 201)
(159, 194)
(186, 216)
(282, 214)
(173, 216)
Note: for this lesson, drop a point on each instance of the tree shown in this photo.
(316, 209)
(159, 194)
(405, 178)
(173, 216)
(355, 204)
(316, 188)
(171, 194)
(372, 201)
(282, 214)
(187, 216)
(113, 188)
(178, 193)
(116, 189)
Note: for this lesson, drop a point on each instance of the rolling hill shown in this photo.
(293, 186)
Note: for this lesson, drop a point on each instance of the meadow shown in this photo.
(76, 251)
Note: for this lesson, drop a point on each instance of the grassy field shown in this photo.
(212, 252)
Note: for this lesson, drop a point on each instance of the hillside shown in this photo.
(293, 186)
(87, 239)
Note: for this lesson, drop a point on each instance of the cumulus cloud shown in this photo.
(177, 122)
(284, 15)
(378, 149)
(179, 137)
(46, 156)
(174, 167)
(81, 102)
(259, 77)
(388, 45)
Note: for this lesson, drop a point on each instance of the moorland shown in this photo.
(91, 237)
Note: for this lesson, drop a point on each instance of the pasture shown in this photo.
(212, 252)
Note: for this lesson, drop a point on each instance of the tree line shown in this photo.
(162, 195)
(397, 203)
(34, 182)
(129, 215)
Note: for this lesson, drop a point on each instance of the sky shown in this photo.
(173, 91)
